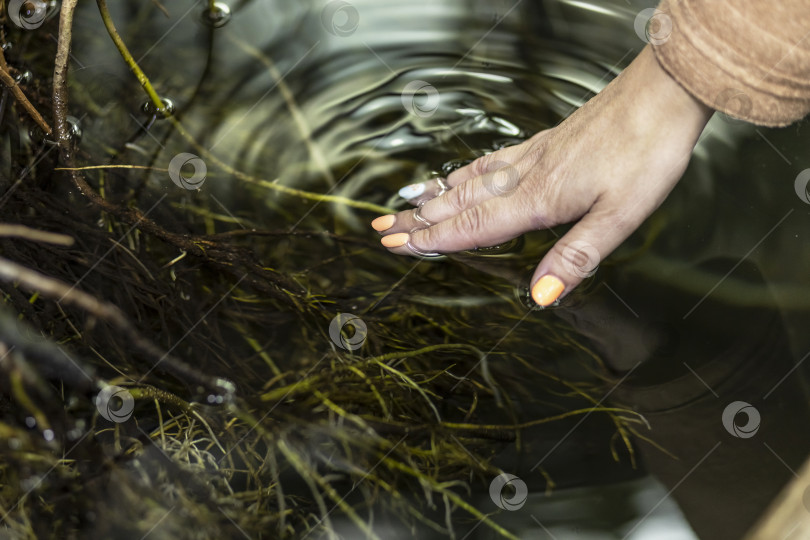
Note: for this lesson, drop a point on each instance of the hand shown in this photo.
(607, 167)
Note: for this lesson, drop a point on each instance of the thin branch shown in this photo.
(9, 81)
(93, 167)
(35, 235)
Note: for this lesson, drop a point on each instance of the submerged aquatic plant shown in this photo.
(168, 367)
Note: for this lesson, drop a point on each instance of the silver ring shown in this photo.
(443, 187)
(419, 251)
(417, 215)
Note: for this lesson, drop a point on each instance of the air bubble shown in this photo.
(167, 109)
(25, 77)
(223, 392)
(75, 128)
(523, 294)
(38, 136)
(217, 16)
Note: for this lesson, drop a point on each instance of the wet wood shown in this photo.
(788, 517)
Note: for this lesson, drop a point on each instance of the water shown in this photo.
(333, 98)
(317, 99)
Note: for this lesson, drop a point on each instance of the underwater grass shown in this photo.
(248, 418)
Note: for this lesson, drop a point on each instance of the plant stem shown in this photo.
(127, 56)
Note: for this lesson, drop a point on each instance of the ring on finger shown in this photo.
(419, 251)
(443, 187)
(417, 215)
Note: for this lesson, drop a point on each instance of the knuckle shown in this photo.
(536, 153)
(461, 197)
(470, 223)
(480, 165)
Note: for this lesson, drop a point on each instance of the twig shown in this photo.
(60, 79)
(9, 81)
(36, 282)
(161, 8)
(92, 167)
(21, 231)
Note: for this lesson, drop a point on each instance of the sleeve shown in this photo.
(747, 58)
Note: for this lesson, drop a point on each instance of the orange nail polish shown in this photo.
(547, 289)
(395, 240)
(383, 223)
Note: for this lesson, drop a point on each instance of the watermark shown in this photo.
(802, 186)
(502, 179)
(653, 26)
(517, 500)
(115, 404)
(420, 98)
(357, 339)
(733, 104)
(751, 425)
(580, 259)
(340, 18)
(28, 14)
(195, 181)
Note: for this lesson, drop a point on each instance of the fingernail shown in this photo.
(395, 240)
(412, 191)
(547, 290)
(383, 223)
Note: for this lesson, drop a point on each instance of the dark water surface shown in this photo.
(706, 305)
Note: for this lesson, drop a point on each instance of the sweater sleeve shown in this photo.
(747, 58)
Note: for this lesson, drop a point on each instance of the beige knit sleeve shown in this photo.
(747, 58)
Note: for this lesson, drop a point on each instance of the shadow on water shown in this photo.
(704, 306)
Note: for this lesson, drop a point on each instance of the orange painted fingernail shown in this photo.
(547, 289)
(383, 223)
(395, 240)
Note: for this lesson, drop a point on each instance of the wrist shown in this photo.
(658, 100)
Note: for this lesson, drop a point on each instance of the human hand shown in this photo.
(607, 167)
